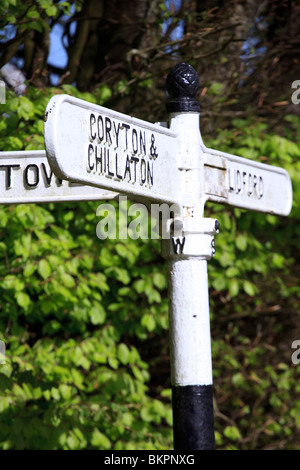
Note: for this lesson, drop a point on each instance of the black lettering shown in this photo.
(134, 141)
(143, 143)
(117, 175)
(149, 174)
(127, 168)
(250, 185)
(238, 181)
(7, 169)
(260, 187)
(178, 245)
(134, 160)
(108, 130)
(126, 127)
(117, 133)
(244, 180)
(98, 160)
(255, 184)
(46, 176)
(110, 173)
(92, 122)
(143, 171)
(153, 150)
(100, 128)
(35, 172)
(231, 177)
(90, 151)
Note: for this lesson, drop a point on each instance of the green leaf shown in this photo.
(148, 321)
(97, 315)
(232, 271)
(12, 282)
(147, 414)
(233, 287)
(232, 433)
(99, 440)
(26, 107)
(51, 10)
(215, 89)
(29, 269)
(159, 280)
(23, 299)
(241, 242)
(67, 280)
(140, 285)
(33, 14)
(65, 391)
(44, 268)
(249, 288)
(123, 353)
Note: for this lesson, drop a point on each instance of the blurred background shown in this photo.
(85, 321)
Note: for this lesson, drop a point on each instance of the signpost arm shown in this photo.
(187, 251)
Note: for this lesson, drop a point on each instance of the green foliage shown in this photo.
(255, 303)
(85, 321)
(72, 309)
(33, 17)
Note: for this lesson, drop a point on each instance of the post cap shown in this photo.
(182, 85)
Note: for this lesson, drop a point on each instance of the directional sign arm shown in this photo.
(93, 145)
(26, 177)
(107, 149)
(229, 179)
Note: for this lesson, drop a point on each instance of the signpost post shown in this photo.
(96, 146)
(102, 153)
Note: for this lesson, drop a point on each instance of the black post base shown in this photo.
(193, 418)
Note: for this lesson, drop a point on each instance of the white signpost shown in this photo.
(26, 177)
(102, 153)
(93, 145)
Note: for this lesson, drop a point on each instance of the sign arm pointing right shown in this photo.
(243, 183)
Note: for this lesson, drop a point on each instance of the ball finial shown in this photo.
(182, 85)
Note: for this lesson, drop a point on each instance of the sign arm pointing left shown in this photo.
(26, 177)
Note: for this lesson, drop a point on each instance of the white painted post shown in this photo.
(187, 251)
(190, 245)
(190, 348)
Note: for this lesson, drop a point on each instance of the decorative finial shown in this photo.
(182, 85)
